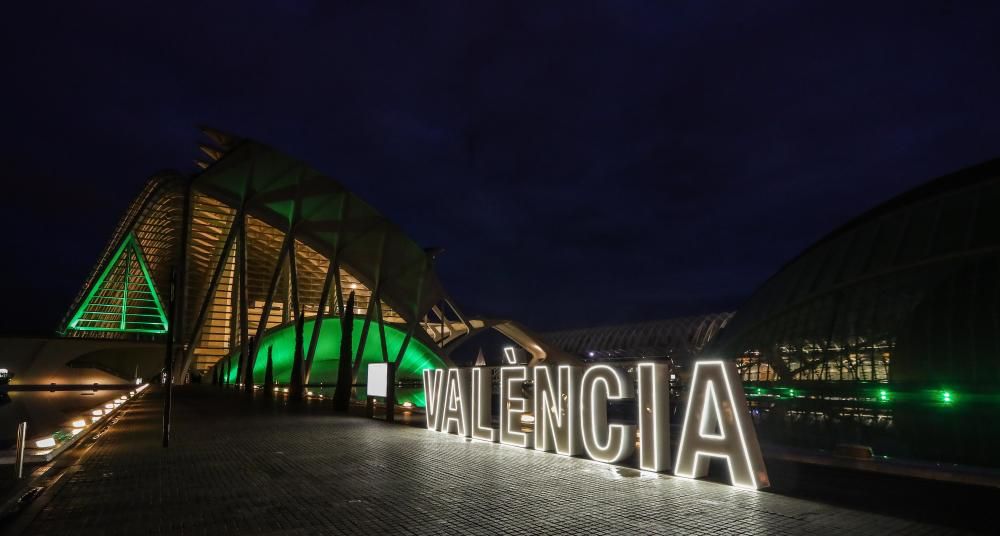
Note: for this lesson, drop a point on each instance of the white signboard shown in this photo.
(378, 379)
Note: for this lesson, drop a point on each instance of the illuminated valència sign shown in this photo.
(570, 409)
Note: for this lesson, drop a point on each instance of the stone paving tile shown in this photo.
(234, 468)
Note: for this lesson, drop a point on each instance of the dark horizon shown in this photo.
(590, 166)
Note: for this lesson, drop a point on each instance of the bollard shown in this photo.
(22, 437)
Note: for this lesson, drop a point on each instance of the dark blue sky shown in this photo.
(582, 163)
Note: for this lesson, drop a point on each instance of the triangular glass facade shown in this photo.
(124, 298)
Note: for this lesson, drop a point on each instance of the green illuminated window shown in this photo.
(123, 298)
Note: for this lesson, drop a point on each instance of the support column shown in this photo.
(364, 332)
(244, 298)
(318, 324)
(406, 342)
(415, 320)
(381, 330)
(179, 317)
(339, 288)
(296, 389)
(294, 278)
(266, 312)
(212, 287)
(234, 303)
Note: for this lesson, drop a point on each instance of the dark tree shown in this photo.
(295, 387)
(248, 369)
(269, 375)
(342, 395)
(239, 369)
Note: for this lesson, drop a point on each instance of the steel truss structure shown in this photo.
(679, 339)
(255, 240)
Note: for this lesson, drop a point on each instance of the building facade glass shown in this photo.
(886, 333)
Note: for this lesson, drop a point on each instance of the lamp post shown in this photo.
(168, 362)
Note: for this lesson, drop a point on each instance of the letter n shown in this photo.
(555, 409)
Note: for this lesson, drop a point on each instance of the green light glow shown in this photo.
(417, 358)
(885, 396)
(114, 301)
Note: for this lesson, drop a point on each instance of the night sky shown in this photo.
(581, 163)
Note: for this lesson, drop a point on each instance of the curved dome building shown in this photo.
(886, 333)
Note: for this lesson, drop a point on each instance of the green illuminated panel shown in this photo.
(124, 298)
(417, 358)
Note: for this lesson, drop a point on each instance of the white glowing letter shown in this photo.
(456, 403)
(654, 416)
(482, 395)
(513, 406)
(717, 424)
(604, 442)
(555, 409)
(433, 397)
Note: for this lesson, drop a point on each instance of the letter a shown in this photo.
(455, 408)
(716, 400)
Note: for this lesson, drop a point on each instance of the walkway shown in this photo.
(236, 469)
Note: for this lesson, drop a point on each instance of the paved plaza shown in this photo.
(239, 468)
